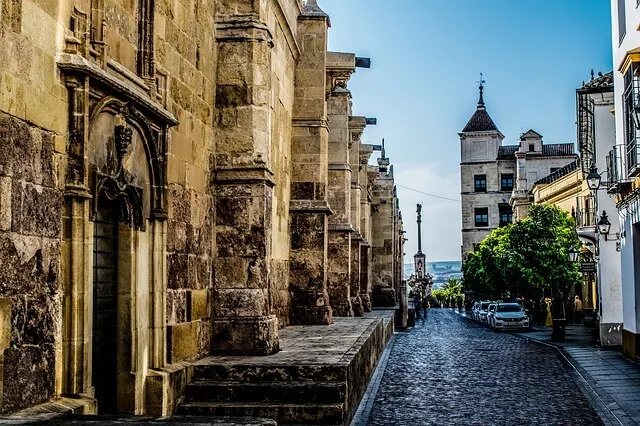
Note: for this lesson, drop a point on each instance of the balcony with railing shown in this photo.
(584, 213)
(616, 178)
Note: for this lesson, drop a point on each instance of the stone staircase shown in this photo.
(289, 394)
(318, 378)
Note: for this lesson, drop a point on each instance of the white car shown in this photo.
(481, 312)
(507, 316)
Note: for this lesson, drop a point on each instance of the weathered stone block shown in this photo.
(199, 305)
(257, 335)
(383, 297)
(178, 271)
(29, 376)
(35, 210)
(5, 203)
(28, 263)
(239, 302)
(182, 341)
(5, 324)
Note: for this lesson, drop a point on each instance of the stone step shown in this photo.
(325, 414)
(210, 370)
(280, 392)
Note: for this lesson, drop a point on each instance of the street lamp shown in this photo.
(573, 254)
(604, 226)
(593, 178)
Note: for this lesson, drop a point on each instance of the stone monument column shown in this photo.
(309, 208)
(243, 183)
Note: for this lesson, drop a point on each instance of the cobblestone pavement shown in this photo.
(449, 370)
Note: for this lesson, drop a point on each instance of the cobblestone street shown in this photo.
(450, 370)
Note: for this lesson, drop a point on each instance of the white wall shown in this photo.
(609, 267)
(629, 214)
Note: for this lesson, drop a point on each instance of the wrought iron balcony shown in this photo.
(584, 213)
(616, 172)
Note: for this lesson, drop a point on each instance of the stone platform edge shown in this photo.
(362, 359)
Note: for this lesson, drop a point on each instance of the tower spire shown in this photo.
(481, 99)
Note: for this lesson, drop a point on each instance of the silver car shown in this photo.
(482, 311)
(507, 316)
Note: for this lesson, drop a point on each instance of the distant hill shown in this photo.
(441, 271)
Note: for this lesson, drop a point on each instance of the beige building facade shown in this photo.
(177, 179)
(496, 179)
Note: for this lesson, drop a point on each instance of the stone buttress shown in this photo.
(309, 207)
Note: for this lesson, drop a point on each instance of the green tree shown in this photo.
(525, 258)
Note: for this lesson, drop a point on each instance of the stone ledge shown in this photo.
(51, 410)
(345, 353)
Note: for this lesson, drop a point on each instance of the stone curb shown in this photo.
(366, 404)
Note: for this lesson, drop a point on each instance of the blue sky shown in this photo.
(422, 86)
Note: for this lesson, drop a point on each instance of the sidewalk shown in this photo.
(610, 382)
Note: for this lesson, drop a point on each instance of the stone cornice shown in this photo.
(339, 166)
(310, 122)
(75, 64)
(243, 174)
(247, 27)
(310, 206)
(357, 123)
(341, 227)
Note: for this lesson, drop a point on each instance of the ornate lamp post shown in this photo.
(593, 178)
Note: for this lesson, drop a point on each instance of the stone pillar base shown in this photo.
(342, 309)
(630, 345)
(357, 306)
(256, 335)
(311, 315)
(611, 334)
(384, 297)
(366, 301)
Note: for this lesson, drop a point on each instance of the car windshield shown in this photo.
(484, 306)
(509, 308)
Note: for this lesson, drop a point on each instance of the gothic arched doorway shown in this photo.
(105, 305)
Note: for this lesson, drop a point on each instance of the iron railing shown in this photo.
(585, 212)
(586, 130)
(616, 171)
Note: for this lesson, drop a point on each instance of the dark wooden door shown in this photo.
(105, 307)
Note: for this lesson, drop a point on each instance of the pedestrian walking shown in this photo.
(416, 304)
(577, 310)
(425, 304)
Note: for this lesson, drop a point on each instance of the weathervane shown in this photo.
(481, 82)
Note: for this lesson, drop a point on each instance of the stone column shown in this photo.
(340, 66)
(309, 208)
(383, 239)
(356, 128)
(520, 196)
(365, 152)
(243, 323)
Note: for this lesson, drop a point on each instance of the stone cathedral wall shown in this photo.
(220, 76)
(33, 128)
(184, 44)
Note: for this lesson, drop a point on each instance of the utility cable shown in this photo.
(426, 193)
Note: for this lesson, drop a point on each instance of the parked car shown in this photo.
(491, 309)
(482, 312)
(508, 316)
(474, 311)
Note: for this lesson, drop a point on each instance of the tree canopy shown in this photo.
(450, 293)
(525, 257)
